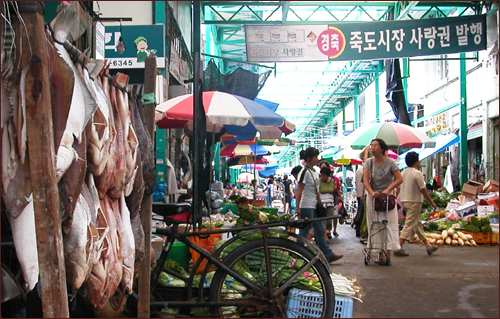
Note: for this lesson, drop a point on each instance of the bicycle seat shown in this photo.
(171, 209)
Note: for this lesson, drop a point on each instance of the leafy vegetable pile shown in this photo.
(440, 198)
(476, 225)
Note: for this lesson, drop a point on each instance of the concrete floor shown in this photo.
(455, 282)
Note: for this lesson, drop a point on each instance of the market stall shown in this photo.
(463, 218)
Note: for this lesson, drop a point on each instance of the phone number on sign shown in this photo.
(122, 62)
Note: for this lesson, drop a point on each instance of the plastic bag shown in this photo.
(452, 215)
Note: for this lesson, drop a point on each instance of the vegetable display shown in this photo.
(476, 225)
(449, 237)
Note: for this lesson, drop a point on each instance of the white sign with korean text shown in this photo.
(284, 43)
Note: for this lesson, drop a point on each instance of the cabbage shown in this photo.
(486, 229)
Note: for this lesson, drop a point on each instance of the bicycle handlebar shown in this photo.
(286, 223)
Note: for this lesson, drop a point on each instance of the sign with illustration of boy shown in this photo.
(365, 40)
(141, 42)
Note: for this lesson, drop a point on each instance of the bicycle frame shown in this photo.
(213, 259)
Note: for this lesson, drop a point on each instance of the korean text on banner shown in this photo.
(365, 40)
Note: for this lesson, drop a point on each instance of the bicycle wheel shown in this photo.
(311, 294)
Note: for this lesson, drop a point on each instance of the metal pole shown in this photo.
(377, 97)
(464, 170)
(356, 112)
(406, 67)
(343, 120)
(199, 121)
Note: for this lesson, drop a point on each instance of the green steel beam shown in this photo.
(336, 71)
(403, 14)
(377, 97)
(236, 52)
(464, 170)
(307, 94)
(230, 35)
(159, 16)
(285, 9)
(302, 3)
(232, 42)
(356, 112)
(239, 22)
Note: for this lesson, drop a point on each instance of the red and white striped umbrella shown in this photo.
(395, 135)
(238, 115)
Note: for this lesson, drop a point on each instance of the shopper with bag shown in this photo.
(381, 177)
(330, 197)
(308, 197)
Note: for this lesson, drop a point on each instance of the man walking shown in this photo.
(412, 189)
(287, 185)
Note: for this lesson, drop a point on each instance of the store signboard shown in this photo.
(141, 41)
(365, 40)
(436, 124)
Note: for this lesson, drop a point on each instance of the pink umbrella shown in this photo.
(392, 154)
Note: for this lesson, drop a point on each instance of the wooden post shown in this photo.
(40, 143)
(147, 203)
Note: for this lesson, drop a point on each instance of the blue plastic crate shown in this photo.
(308, 304)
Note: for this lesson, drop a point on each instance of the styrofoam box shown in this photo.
(466, 210)
(453, 204)
(486, 196)
(485, 210)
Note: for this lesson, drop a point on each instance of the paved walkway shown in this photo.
(455, 282)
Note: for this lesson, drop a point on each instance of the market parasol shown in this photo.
(244, 160)
(238, 115)
(395, 135)
(227, 139)
(254, 149)
(353, 155)
(344, 157)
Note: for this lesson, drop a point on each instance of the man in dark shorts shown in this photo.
(287, 185)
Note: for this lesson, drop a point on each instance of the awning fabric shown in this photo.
(443, 141)
(475, 132)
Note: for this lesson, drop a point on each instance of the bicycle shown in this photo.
(264, 276)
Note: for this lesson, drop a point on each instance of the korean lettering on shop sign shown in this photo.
(423, 38)
(275, 52)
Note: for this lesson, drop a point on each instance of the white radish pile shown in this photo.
(450, 237)
(454, 238)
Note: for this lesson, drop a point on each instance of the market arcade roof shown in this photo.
(336, 85)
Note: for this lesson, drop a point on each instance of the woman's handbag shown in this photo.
(385, 203)
(320, 209)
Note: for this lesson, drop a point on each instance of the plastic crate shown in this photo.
(308, 304)
(480, 238)
(494, 239)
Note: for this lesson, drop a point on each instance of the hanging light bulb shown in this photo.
(120, 47)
